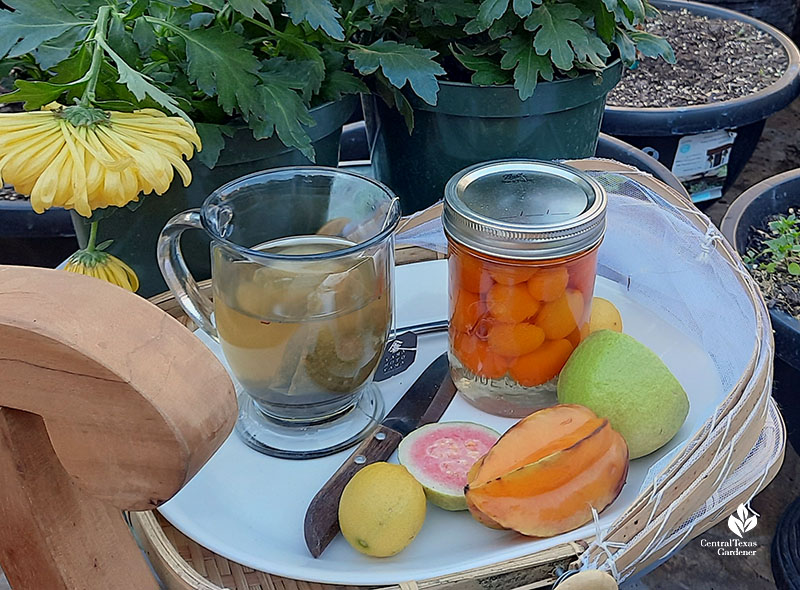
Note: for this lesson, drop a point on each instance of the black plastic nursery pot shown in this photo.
(781, 14)
(733, 125)
(770, 197)
(34, 239)
(135, 232)
(773, 196)
(471, 124)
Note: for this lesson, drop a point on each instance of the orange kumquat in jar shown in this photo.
(523, 238)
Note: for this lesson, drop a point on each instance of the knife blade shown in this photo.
(423, 403)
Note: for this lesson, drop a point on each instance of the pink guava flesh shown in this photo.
(440, 455)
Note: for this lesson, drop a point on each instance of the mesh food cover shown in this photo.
(671, 259)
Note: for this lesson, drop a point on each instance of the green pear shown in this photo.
(619, 378)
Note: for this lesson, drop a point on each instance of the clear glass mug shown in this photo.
(302, 260)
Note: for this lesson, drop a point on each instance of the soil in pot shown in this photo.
(717, 59)
(702, 118)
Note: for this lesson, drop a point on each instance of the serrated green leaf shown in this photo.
(200, 20)
(401, 63)
(555, 31)
(528, 65)
(625, 46)
(503, 25)
(650, 11)
(32, 23)
(213, 140)
(121, 41)
(592, 50)
(251, 7)
(489, 11)
(34, 94)
(523, 8)
(604, 23)
(449, 11)
(611, 5)
(214, 4)
(54, 51)
(137, 9)
(485, 71)
(319, 14)
(338, 83)
(221, 66)
(144, 35)
(314, 66)
(74, 67)
(86, 9)
(384, 8)
(139, 85)
(395, 99)
(637, 9)
(652, 46)
(283, 112)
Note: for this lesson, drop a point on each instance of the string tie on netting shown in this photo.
(604, 546)
(709, 240)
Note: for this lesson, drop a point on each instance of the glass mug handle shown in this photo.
(177, 275)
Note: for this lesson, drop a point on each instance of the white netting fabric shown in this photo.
(669, 262)
(668, 265)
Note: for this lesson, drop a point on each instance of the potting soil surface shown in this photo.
(717, 60)
(7, 193)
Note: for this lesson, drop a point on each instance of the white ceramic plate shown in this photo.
(249, 507)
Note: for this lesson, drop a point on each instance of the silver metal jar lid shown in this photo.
(524, 209)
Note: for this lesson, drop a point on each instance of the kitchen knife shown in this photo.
(423, 403)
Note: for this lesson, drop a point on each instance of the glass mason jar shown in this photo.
(522, 238)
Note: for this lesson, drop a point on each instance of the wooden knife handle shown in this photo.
(322, 517)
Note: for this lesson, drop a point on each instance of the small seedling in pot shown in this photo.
(782, 251)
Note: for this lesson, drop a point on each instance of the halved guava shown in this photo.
(439, 456)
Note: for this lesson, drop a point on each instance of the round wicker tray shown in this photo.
(634, 540)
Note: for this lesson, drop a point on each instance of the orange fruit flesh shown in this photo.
(476, 356)
(532, 438)
(506, 308)
(467, 310)
(511, 304)
(508, 274)
(549, 283)
(513, 340)
(557, 493)
(560, 317)
(542, 364)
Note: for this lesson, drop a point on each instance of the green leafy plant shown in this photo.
(259, 63)
(265, 63)
(782, 251)
(488, 42)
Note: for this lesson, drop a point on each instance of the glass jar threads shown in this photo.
(522, 238)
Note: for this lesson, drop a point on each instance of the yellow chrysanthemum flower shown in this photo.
(103, 265)
(84, 158)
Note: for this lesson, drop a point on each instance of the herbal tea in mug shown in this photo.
(301, 335)
(302, 260)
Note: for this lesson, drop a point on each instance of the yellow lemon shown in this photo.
(382, 509)
(605, 316)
